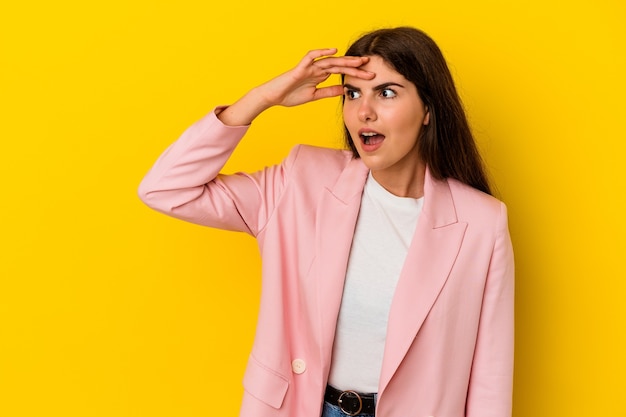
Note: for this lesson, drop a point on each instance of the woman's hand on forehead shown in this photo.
(300, 84)
(297, 86)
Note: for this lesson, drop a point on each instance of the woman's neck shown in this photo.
(402, 183)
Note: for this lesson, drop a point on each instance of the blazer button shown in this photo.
(298, 366)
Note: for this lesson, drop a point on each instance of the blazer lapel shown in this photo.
(430, 258)
(336, 219)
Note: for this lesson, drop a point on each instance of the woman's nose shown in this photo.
(366, 111)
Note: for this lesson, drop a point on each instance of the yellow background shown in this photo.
(110, 309)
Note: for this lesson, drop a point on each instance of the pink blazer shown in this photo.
(449, 349)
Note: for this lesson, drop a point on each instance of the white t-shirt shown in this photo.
(383, 233)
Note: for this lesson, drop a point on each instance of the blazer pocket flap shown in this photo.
(264, 384)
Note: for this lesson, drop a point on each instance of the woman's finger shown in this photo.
(327, 92)
(342, 61)
(313, 55)
(351, 71)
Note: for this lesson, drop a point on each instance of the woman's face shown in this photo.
(384, 116)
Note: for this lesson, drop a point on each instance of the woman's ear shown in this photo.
(427, 117)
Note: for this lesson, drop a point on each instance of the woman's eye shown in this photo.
(352, 94)
(388, 93)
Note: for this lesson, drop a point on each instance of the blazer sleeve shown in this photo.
(491, 384)
(185, 181)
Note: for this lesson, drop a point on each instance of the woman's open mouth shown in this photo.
(370, 139)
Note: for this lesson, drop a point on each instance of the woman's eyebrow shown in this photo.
(351, 87)
(376, 88)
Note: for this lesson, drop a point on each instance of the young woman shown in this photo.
(387, 268)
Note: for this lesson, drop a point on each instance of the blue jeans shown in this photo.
(331, 410)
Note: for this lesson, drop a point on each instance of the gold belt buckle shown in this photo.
(340, 402)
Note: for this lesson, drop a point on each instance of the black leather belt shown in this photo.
(350, 402)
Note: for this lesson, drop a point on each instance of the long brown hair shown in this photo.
(446, 145)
